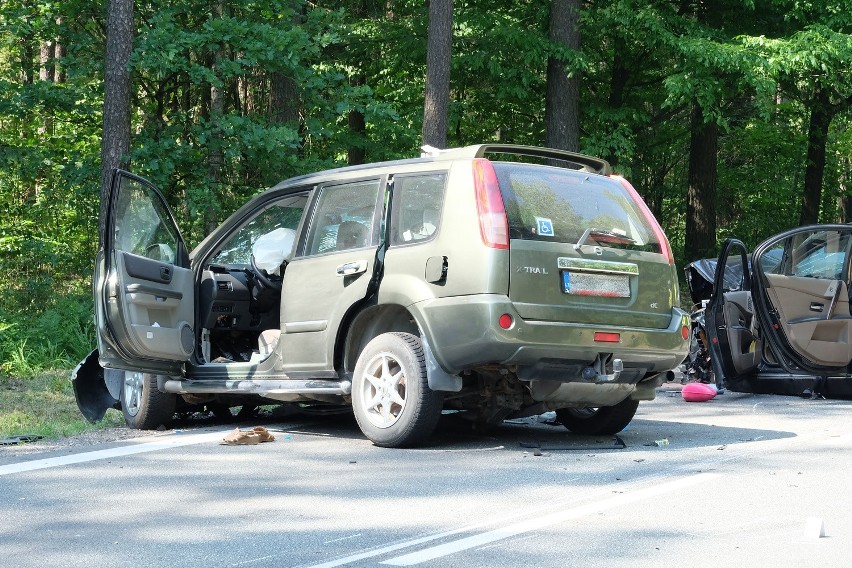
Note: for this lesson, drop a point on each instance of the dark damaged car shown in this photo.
(778, 320)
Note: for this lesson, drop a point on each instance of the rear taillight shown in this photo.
(665, 247)
(493, 223)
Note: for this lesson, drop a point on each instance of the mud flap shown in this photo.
(90, 390)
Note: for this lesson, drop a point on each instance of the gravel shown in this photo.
(79, 442)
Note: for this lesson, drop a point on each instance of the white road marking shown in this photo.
(246, 562)
(342, 538)
(548, 520)
(607, 503)
(137, 446)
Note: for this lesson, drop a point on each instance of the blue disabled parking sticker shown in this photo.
(544, 226)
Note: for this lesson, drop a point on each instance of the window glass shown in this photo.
(143, 225)
(418, 202)
(547, 203)
(344, 218)
(284, 213)
(819, 254)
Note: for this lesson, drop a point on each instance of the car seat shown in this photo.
(350, 235)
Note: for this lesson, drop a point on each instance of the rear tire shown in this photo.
(391, 398)
(602, 420)
(143, 405)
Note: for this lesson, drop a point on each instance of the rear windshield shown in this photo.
(545, 203)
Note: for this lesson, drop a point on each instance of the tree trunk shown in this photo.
(821, 115)
(844, 205)
(436, 105)
(562, 106)
(215, 156)
(115, 144)
(283, 99)
(701, 198)
(61, 52)
(47, 62)
(27, 43)
(47, 72)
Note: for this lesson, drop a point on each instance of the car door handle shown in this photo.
(350, 268)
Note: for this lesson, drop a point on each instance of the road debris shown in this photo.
(20, 439)
(251, 437)
(617, 444)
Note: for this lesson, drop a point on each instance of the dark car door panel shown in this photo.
(740, 331)
(147, 269)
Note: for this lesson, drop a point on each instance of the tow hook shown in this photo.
(597, 372)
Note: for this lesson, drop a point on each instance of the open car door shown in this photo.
(729, 316)
(801, 294)
(143, 286)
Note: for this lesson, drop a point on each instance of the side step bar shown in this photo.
(267, 388)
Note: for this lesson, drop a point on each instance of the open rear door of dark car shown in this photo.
(801, 295)
(730, 322)
(143, 286)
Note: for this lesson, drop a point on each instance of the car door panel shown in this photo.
(147, 269)
(332, 274)
(143, 286)
(152, 311)
(740, 330)
(814, 314)
(730, 321)
(801, 295)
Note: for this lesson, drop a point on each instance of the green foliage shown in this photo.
(43, 404)
(52, 328)
(755, 67)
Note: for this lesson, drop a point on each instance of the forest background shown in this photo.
(731, 118)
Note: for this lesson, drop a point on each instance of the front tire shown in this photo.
(143, 405)
(596, 421)
(391, 398)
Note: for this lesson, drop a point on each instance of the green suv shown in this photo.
(497, 280)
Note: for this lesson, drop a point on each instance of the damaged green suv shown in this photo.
(498, 280)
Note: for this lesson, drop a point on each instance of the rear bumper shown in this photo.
(464, 333)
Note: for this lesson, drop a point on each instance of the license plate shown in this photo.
(591, 284)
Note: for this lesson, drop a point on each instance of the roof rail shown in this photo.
(586, 163)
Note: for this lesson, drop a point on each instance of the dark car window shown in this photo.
(555, 204)
(417, 204)
(344, 218)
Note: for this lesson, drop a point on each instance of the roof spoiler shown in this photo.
(584, 162)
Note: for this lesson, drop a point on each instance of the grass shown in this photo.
(43, 404)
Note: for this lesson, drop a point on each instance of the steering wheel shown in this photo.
(264, 278)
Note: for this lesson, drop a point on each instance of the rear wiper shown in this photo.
(603, 236)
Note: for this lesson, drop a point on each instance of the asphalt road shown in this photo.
(742, 480)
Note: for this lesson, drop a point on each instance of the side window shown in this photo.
(815, 254)
(417, 204)
(820, 254)
(142, 225)
(284, 213)
(344, 218)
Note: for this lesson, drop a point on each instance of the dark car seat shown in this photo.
(350, 235)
